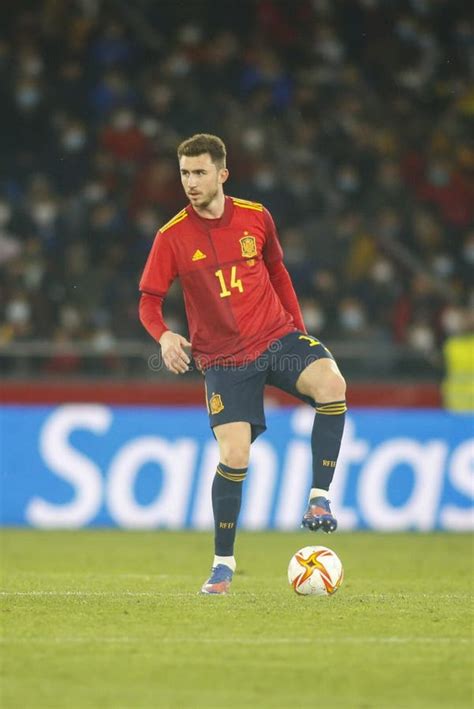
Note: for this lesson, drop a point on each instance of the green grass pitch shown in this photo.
(112, 619)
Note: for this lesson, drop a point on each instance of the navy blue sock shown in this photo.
(226, 499)
(326, 441)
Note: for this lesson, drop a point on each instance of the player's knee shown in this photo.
(235, 456)
(330, 387)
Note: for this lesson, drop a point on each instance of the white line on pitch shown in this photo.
(87, 594)
(93, 574)
(357, 640)
(244, 594)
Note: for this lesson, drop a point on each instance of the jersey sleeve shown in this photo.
(279, 276)
(272, 250)
(160, 269)
(151, 315)
(159, 272)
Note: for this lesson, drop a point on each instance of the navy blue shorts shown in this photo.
(235, 393)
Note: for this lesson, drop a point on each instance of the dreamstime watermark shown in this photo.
(272, 359)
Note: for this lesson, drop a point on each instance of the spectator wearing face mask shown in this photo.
(446, 187)
(71, 161)
(44, 214)
(10, 244)
(112, 48)
(124, 139)
(111, 91)
(28, 131)
(156, 185)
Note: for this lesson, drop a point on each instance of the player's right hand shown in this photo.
(172, 350)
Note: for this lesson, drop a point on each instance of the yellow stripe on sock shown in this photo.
(232, 480)
(331, 409)
(233, 477)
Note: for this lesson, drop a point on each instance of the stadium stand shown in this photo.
(351, 121)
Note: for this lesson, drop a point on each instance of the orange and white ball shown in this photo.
(315, 571)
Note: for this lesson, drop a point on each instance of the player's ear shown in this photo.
(223, 175)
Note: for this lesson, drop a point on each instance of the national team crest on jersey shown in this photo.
(248, 244)
(215, 404)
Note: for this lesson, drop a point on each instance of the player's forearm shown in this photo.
(283, 287)
(151, 316)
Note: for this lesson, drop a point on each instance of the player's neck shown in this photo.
(213, 210)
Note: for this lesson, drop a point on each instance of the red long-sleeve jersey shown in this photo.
(237, 292)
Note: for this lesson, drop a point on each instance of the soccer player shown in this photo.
(246, 331)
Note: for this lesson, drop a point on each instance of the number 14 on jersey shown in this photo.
(234, 282)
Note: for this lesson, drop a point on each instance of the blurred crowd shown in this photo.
(351, 121)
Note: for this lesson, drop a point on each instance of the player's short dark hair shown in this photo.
(204, 143)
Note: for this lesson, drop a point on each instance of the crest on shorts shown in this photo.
(215, 404)
(248, 244)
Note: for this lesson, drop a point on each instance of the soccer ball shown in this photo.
(315, 571)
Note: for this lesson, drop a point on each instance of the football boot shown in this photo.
(319, 516)
(219, 581)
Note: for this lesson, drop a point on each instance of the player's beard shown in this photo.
(207, 199)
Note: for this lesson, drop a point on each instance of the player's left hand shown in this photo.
(172, 350)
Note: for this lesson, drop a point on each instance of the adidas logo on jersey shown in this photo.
(198, 255)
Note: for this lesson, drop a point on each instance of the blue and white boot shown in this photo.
(319, 516)
(219, 581)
